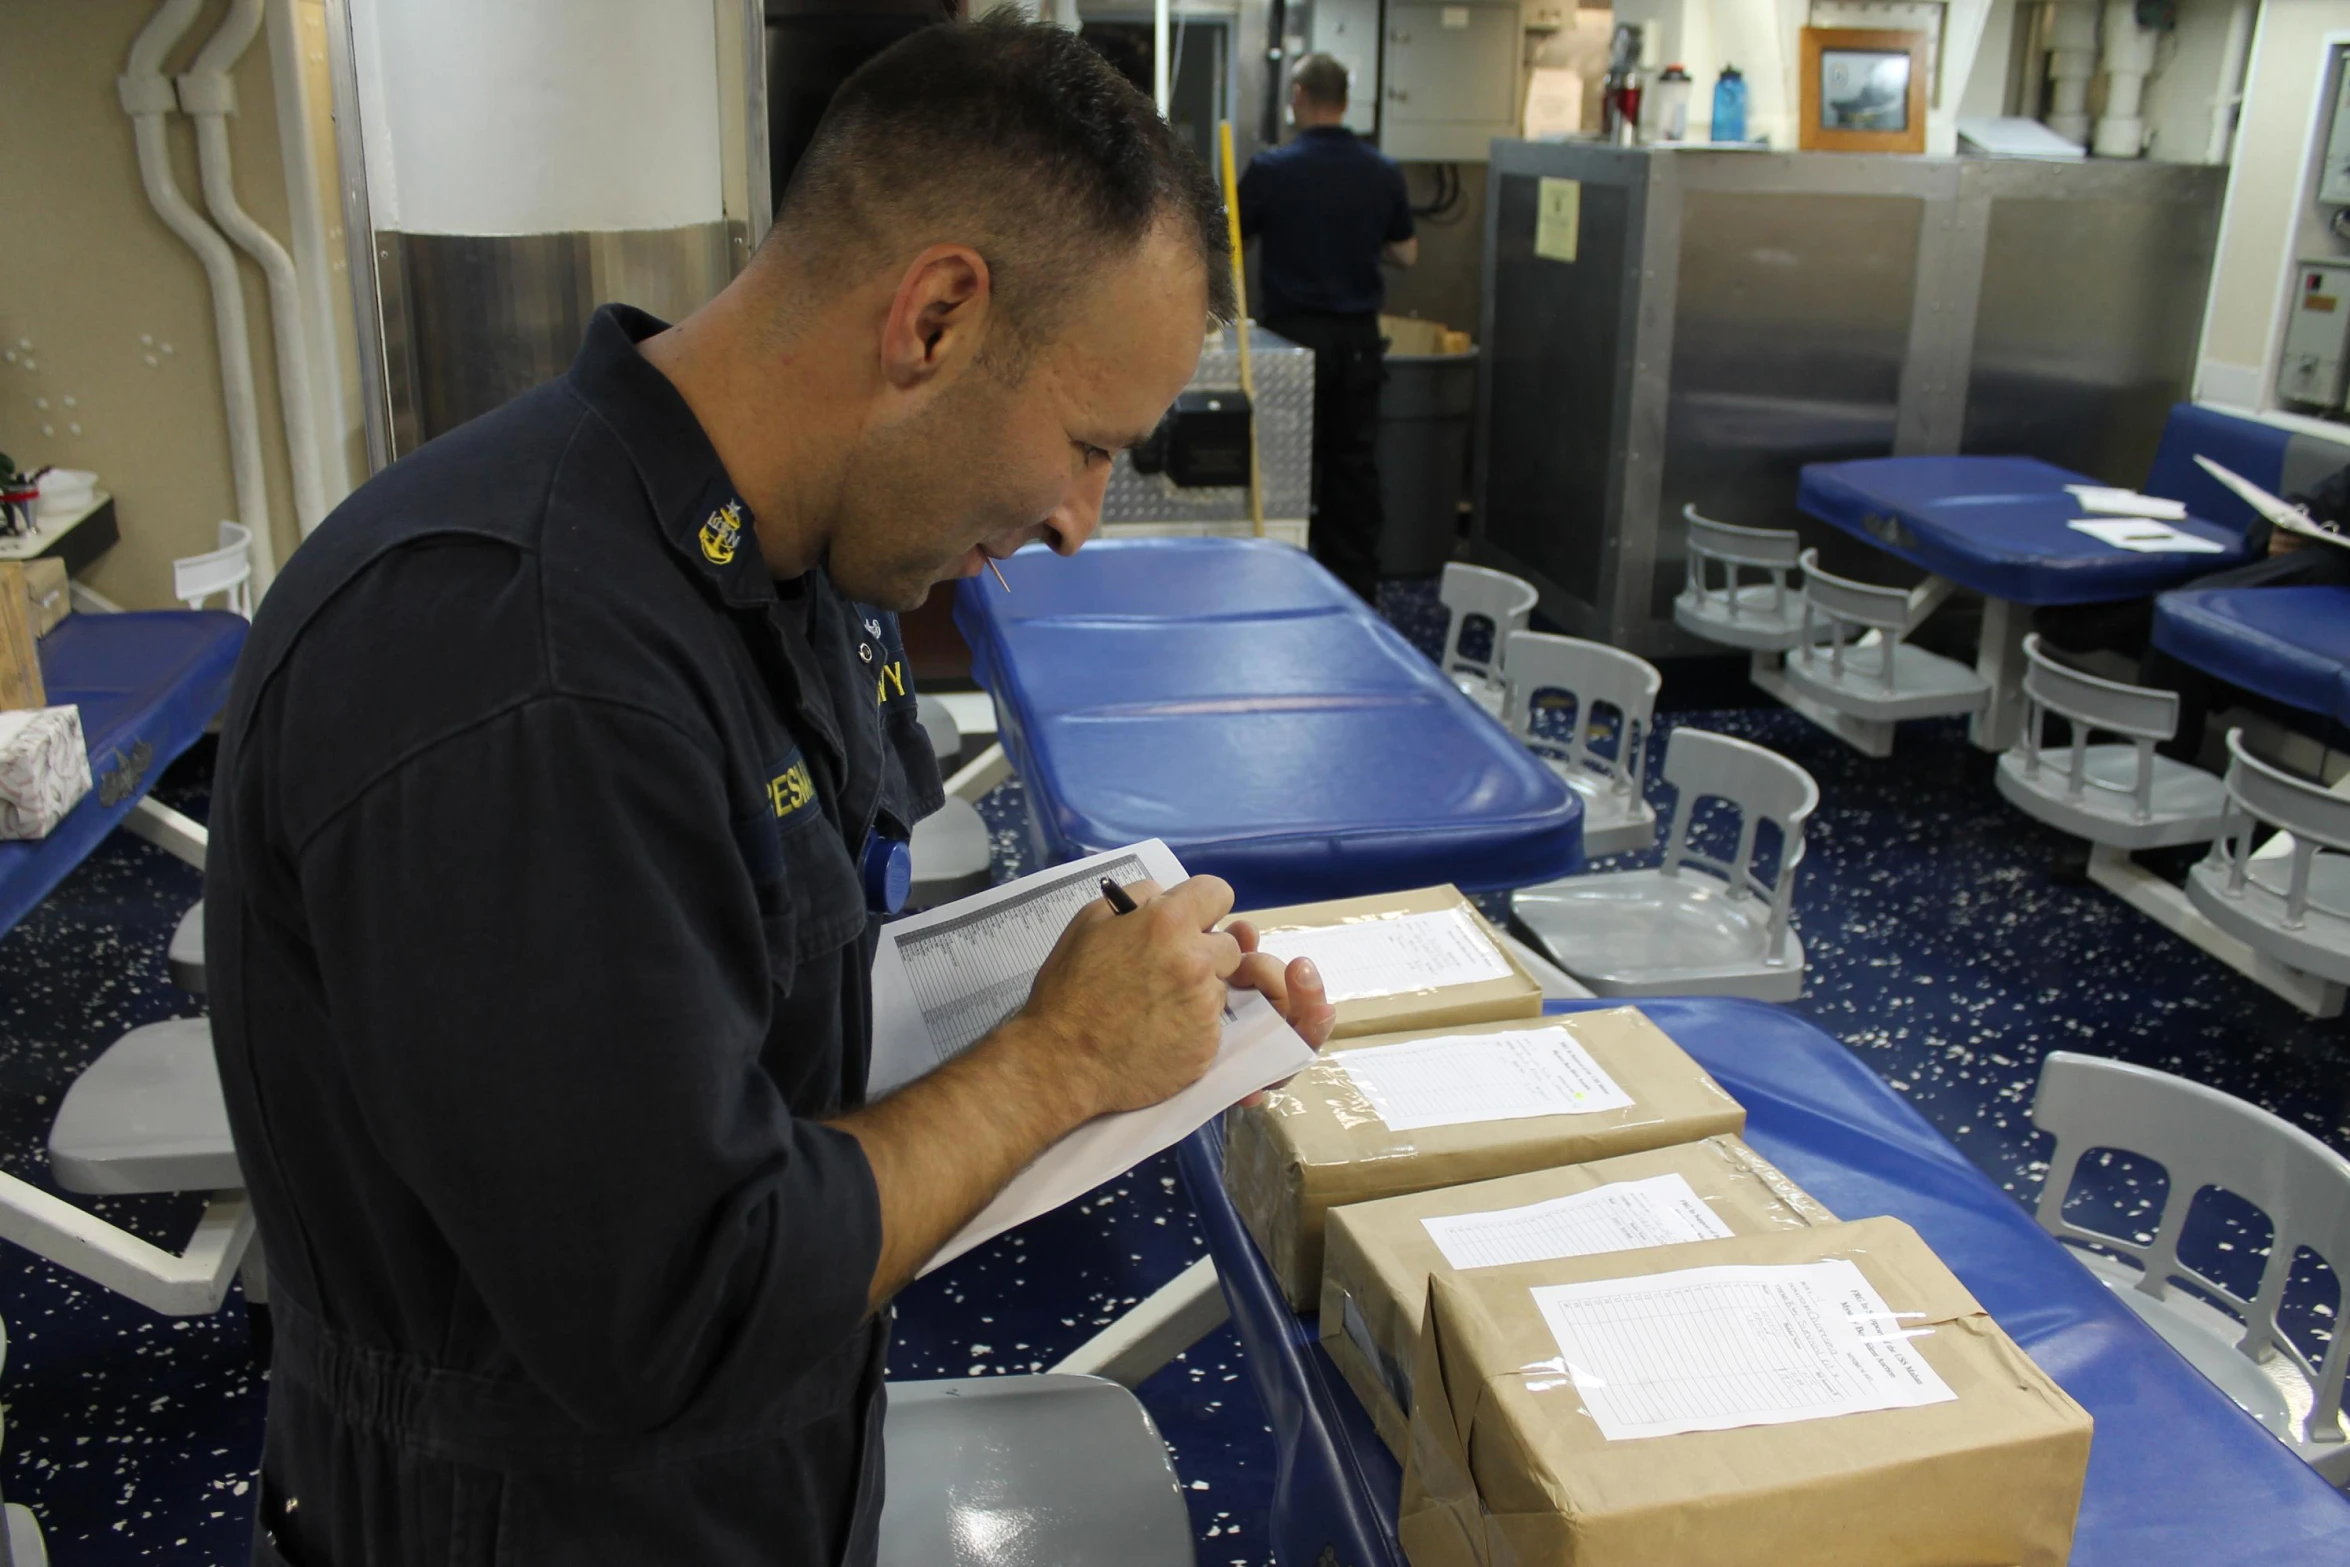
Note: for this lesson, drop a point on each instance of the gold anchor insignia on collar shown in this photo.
(722, 532)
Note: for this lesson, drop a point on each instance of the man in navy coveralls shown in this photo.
(538, 938)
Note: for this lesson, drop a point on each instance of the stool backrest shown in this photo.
(1479, 594)
(944, 734)
(1763, 786)
(2317, 818)
(2087, 703)
(227, 569)
(1596, 676)
(2202, 1137)
(1834, 606)
(1720, 548)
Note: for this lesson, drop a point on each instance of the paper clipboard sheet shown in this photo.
(943, 979)
(2146, 536)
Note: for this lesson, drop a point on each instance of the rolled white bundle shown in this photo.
(44, 769)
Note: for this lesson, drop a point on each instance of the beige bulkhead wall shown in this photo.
(114, 307)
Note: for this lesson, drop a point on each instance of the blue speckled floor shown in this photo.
(1941, 950)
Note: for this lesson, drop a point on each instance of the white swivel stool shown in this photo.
(2123, 795)
(2293, 907)
(1617, 818)
(1028, 1471)
(1697, 926)
(2202, 1137)
(21, 1544)
(1476, 596)
(226, 570)
(147, 1116)
(185, 957)
(1866, 683)
(950, 847)
(1739, 589)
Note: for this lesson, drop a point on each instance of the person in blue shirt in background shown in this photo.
(1326, 209)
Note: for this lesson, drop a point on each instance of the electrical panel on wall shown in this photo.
(1450, 79)
(2317, 333)
(2333, 179)
(1348, 31)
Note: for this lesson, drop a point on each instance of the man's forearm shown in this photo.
(942, 1146)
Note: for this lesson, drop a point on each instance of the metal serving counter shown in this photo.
(1731, 316)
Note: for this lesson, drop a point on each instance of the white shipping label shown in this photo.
(1623, 1216)
(1710, 1349)
(1391, 957)
(1462, 1078)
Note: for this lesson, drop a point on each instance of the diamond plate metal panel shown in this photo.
(1285, 442)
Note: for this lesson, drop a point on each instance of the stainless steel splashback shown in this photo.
(1732, 316)
(470, 321)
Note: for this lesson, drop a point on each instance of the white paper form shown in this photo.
(1709, 1349)
(2127, 503)
(1622, 1216)
(1481, 1077)
(2146, 536)
(943, 979)
(1389, 957)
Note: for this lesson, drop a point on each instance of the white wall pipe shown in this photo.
(148, 99)
(208, 96)
(1162, 66)
(2128, 59)
(2229, 91)
(307, 216)
(2072, 60)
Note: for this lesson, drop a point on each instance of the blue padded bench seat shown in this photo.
(2290, 644)
(148, 684)
(1997, 525)
(1233, 698)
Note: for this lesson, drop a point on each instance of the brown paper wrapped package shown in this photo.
(1377, 1255)
(1518, 995)
(1316, 1144)
(1992, 1479)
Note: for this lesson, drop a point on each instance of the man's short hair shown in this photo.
(1015, 138)
(1321, 78)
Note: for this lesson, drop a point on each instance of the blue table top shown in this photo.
(1997, 525)
(148, 685)
(2176, 1472)
(2289, 643)
(1232, 698)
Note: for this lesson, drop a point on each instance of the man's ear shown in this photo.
(938, 316)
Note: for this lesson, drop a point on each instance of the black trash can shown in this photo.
(1425, 410)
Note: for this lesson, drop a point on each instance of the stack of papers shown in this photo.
(944, 979)
(2146, 536)
(2127, 503)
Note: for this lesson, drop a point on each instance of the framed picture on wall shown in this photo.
(1864, 90)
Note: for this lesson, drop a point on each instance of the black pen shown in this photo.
(1119, 902)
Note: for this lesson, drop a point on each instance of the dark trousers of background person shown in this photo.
(2126, 628)
(1347, 376)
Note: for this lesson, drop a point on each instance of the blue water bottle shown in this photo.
(1730, 106)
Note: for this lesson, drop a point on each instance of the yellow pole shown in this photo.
(1248, 380)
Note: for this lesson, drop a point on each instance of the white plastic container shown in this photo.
(65, 491)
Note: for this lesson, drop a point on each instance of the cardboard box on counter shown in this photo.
(1980, 1462)
(1378, 952)
(48, 594)
(1322, 1141)
(1377, 1256)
